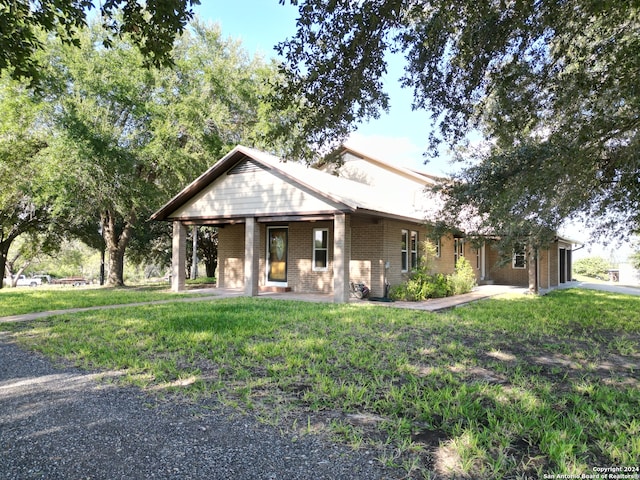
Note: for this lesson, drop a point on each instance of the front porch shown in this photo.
(267, 255)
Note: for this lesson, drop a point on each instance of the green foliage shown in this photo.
(595, 267)
(128, 138)
(56, 297)
(551, 86)
(422, 284)
(463, 280)
(152, 26)
(24, 201)
(513, 387)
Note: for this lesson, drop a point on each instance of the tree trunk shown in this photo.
(116, 268)
(208, 246)
(211, 268)
(4, 251)
(4, 257)
(116, 240)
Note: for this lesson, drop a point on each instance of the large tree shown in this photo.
(128, 138)
(550, 84)
(24, 206)
(152, 26)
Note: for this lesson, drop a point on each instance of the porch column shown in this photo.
(532, 269)
(251, 256)
(341, 257)
(178, 257)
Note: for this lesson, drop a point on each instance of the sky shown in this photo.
(399, 137)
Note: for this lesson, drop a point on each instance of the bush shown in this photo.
(423, 285)
(463, 280)
(420, 287)
(594, 267)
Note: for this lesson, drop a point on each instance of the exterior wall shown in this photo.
(301, 277)
(253, 192)
(231, 256)
(504, 274)
(367, 255)
(544, 272)
(554, 259)
(409, 186)
(373, 244)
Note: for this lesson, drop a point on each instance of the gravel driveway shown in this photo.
(60, 423)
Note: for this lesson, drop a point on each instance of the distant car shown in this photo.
(24, 281)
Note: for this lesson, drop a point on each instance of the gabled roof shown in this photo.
(345, 195)
(419, 177)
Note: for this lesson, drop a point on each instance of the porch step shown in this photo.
(275, 289)
(486, 282)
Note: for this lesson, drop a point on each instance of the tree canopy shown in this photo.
(127, 137)
(551, 86)
(105, 141)
(24, 205)
(152, 26)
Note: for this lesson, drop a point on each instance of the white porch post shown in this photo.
(532, 269)
(483, 261)
(341, 257)
(178, 257)
(251, 256)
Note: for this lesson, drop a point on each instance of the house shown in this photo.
(289, 227)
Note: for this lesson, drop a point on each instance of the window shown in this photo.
(320, 249)
(437, 245)
(414, 249)
(404, 250)
(458, 249)
(478, 258)
(519, 258)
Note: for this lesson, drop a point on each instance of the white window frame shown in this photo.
(438, 247)
(404, 251)
(519, 253)
(458, 249)
(413, 248)
(316, 249)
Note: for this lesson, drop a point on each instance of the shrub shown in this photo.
(463, 280)
(420, 287)
(594, 267)
(422, 284)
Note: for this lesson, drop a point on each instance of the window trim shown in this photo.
(413, 249)
(314, 268)
(404, 251)
(438, 246)
(458, 249)
(519, 253)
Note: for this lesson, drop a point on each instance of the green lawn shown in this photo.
(16, 301)
(515, 387)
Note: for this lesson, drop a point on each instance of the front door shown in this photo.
(277, 249)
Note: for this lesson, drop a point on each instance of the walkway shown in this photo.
(209, 294)
(433, 305)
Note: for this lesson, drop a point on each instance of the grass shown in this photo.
(16, 301)
(516, 387)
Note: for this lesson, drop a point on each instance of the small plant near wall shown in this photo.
(463, 279)
(424, 284)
